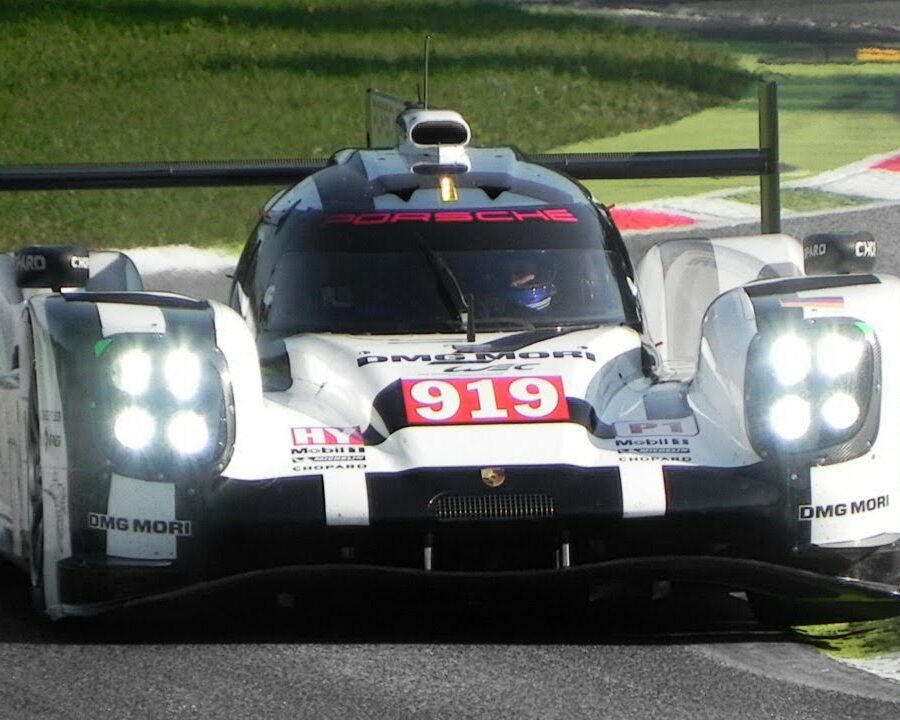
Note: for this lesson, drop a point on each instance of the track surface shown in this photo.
(792, 20)
(701, 657)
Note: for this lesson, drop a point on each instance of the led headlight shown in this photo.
(789, 417)
(131, 372)
(838, 354)
(791, 358)
(166, 403)
(134, 428)
(812, 389)
(183, 373)
(840, 411)
(187, 432)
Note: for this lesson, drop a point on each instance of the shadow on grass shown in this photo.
(469, 18)
(871, 93)
(461, 19)
(701, 77)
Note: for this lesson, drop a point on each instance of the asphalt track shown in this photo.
(693, 656)
(696, 657)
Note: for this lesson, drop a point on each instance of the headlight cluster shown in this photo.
(166, 402)
(811, 388)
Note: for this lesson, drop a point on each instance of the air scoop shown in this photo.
(435, 141)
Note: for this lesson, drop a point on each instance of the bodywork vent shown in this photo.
(449, 508)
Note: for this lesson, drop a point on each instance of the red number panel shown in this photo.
(464, 401)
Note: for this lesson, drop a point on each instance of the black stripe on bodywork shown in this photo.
(767, 297)
(577, 492)
(770, 313)
(346, 187)
(700, 489)
(755, 505)
(799, 482)
(137, 298)
(812, 282)
(517, 341)
(74, 328)
(773, 491)
(495, 183)
(235, 506)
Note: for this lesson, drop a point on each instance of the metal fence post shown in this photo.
(769, 188)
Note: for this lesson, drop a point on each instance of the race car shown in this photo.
(438, 362)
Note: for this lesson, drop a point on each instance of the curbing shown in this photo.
(875, 179)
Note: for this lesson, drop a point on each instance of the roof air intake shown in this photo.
(428, 128)
(439, 132)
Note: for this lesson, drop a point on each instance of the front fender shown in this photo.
(103, 500)
(837, 499)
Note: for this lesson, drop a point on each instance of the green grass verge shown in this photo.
(855, 641)
(804, 199)
(119, 80)
(832, 113)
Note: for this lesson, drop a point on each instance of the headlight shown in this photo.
(790, 357)
(840, 411)
(134, 428)
(789, 417)
(183, 373)
(131, 371)
(188, 433)
(812, 389)
(838, 354)
(168, 407)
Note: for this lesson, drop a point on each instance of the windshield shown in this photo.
(403, 292)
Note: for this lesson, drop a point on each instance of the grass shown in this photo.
(833, 112)
(119, 80)
(856, 641)
(805, 199)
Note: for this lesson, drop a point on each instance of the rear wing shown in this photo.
(381, 114)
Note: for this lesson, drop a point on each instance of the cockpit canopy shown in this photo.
(425, 271)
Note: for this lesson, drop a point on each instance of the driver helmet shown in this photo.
(528, 280)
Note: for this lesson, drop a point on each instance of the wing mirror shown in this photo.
(52, 266)
(839, 253)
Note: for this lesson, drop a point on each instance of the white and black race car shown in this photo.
(438, 362)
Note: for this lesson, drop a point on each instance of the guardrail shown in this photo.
(761, 161)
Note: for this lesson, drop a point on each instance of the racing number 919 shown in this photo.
(460, 401)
